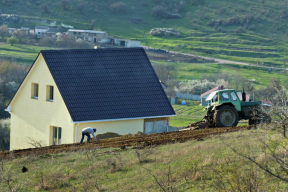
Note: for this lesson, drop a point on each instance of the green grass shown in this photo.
(194, 166)
(25, 54)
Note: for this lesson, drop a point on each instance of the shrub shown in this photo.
(64, 4)
(44, 7)
(47, 41)
(197, 2)
(4, 31)
(283, 14)
(80, 7)
(159, 12)
(4, 134)
(12, 40)
(119, 8)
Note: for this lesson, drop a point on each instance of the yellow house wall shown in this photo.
(34, 117)
(121, 127)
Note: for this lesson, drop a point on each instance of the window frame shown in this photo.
(58, 134)
(34, 91)
(49, 88)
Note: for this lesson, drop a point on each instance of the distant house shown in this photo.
(39, 30)
(207, 93)
(267, 103)
(11, 30)
(113, 90)
(127, 43)
(49, 30)
(90, 36)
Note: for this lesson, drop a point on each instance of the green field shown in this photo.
(23, 54)
(187, 114)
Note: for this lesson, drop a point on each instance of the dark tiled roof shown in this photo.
(101, 84)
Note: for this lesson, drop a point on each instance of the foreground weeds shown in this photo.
(215, 164)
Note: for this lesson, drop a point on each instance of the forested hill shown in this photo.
(248, 31)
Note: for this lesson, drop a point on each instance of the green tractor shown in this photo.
(227, 107)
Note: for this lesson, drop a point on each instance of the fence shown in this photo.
(188, 96)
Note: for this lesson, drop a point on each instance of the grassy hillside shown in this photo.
(247, 31)
(207, 165)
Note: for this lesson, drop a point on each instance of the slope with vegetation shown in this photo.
(209, 165)
(248, 31)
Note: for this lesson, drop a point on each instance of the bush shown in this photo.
(44, 7)
(119, 8)
(47, 41)
(64, 4)
(197, 2)
(4, 134)
(159, 12)
(80, 7)
(195, 86)
(12, 40)
(4, 31)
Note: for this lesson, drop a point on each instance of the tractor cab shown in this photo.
(226, 96)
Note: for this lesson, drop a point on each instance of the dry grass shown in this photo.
(207, 165)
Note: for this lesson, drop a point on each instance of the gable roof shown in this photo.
(211, 90)
(101, 84)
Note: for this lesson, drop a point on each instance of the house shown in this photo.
(90, 36)
(49, 30)
(113, 90)
(127, 43)
(207, 93)
(39, 30)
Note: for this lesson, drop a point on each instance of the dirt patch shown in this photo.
(139, 140)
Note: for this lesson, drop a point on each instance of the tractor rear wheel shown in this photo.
(226, 116)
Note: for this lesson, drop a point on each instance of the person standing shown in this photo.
(87, 131)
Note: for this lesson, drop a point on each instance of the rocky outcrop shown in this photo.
(167, 32)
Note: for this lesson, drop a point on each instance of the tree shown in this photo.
(4, 134)
(119, 8)
(12, 40)
(159, 12)
(47, 41)
(80, 7)
(64, 4)
(20, 35)
(4, 31)
(45, 8)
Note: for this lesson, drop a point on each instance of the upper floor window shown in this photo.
(34, 90)
(50, 93)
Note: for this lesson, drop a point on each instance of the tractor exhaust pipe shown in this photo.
(243, 95)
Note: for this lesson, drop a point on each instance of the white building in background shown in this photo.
(127, 43)
(89, 35)
(39, 30)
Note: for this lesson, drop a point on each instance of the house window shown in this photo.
(74, 33)
(34, 90)
(50, 93)
(56, 135)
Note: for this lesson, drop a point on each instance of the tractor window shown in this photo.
(233, 96)
(215, 98)
(224, 96)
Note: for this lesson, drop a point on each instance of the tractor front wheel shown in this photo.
(226, 116)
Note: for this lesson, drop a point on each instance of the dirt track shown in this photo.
(144, 140)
